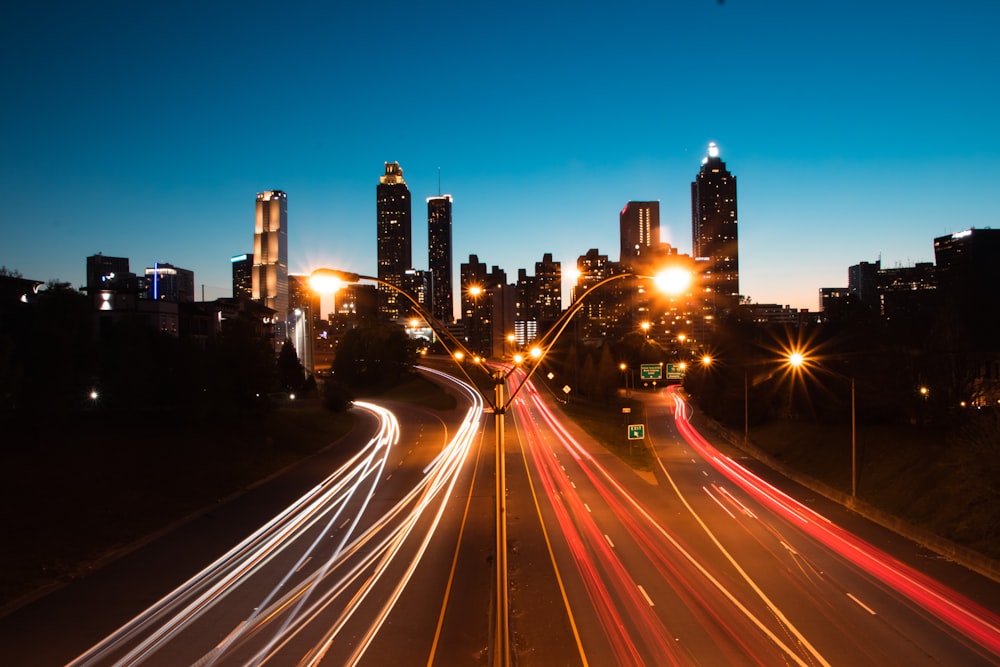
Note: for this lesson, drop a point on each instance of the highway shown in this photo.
(702, 562)
(320, 581)
(387, 558)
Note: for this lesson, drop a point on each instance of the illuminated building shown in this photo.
(968, 276)
(393, 210)
(104, 271)
(166, 282)
(714, 227)
(539, 300)
(270, 255)
(242, 276)
(597, 312)
(303, 319)
(476, 304)
(639, 225)
(439, 257)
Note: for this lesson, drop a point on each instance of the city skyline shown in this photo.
(850, 144)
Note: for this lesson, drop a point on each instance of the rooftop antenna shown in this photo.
(439, 181)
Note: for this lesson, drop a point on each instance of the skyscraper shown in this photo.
(714, 228)
(439, 256)
(639, 223)
(394, 238)
(242, 275)
(270, 254)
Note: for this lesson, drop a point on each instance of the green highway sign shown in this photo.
(651, 371)
(636, 431)
(675, 371)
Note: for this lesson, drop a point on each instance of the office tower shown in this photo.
(166, 282)
(639, 223)
(968, 273)
(270, 255)
(907, 294)
(394, 239)
(105, 272)
(862, 282)
(419, 284)
(476, 304)
(439, 256)
(242, 276)
(596, 311)
(303, 319)
(714, 228)
(539, 300)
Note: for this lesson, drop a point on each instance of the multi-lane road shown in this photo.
(386, 557)
(704, 563)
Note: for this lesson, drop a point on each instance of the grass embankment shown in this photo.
(606, 423)
(931, 478)
(74, 491)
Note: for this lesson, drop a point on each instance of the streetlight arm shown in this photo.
(351, 278)
(552, 335)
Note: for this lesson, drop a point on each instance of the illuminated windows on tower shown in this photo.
(439, 256)
(639, 224)
(270, 254)
(393, 210)
(714, 228)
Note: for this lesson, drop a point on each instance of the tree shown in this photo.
(374, 355)
(291, 375)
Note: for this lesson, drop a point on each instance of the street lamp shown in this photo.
(330, 279)
(797, 360)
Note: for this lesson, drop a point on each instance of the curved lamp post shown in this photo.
(329, 279)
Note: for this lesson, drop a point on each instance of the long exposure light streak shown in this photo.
(615, 495)
(315, 577)
(972, 620)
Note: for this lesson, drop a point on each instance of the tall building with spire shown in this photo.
(439, 257)
(270, 255)
(395, 254)
(639, 225)
(714, 228)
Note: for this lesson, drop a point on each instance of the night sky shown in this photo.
(856, 130)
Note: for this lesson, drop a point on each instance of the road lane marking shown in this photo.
(862, 605)
(646, 595)
(587, 507)
(612, 544)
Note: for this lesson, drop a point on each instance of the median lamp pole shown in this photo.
(329, 279)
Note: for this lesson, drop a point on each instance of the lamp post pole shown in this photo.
(854, 446)
(501, 630)
(746, 408)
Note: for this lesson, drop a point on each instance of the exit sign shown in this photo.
(651, 371)
(636, 431)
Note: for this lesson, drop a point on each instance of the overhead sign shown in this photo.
(675, 371)
(651, 371)
(636, 431)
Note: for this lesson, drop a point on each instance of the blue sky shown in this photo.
(855, 129)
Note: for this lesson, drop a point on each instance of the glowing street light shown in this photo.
(673, 281)
(798, 360)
